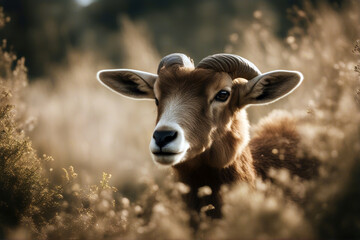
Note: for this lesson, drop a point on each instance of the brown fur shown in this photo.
(220, 152)
(275, 145)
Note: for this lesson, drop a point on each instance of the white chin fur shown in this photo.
(176, 149)
(168, 160)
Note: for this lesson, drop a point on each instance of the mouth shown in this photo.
(167, 158)
(165, 153)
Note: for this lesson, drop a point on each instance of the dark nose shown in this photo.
(164, 137)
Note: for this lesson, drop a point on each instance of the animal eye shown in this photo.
(156, 102)
(222, 96)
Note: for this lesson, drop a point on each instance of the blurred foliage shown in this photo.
(40, 30)
(24, 188)
(44, 31)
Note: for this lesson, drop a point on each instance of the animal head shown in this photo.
(197, 107)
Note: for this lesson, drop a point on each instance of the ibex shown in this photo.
(202, 129)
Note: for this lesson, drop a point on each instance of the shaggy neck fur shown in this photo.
(226, 161)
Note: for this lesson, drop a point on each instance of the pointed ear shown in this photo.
(127, 82)
(270, 86)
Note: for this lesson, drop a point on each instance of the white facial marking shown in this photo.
(175, 151)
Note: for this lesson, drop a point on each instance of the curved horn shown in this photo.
(175, 59)
(234, 65)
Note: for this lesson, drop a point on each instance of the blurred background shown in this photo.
(68, 115)
(65, 42)
(45, 32)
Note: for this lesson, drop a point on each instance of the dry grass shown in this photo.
(81, 124)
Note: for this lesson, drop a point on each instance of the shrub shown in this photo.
(24, 188)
